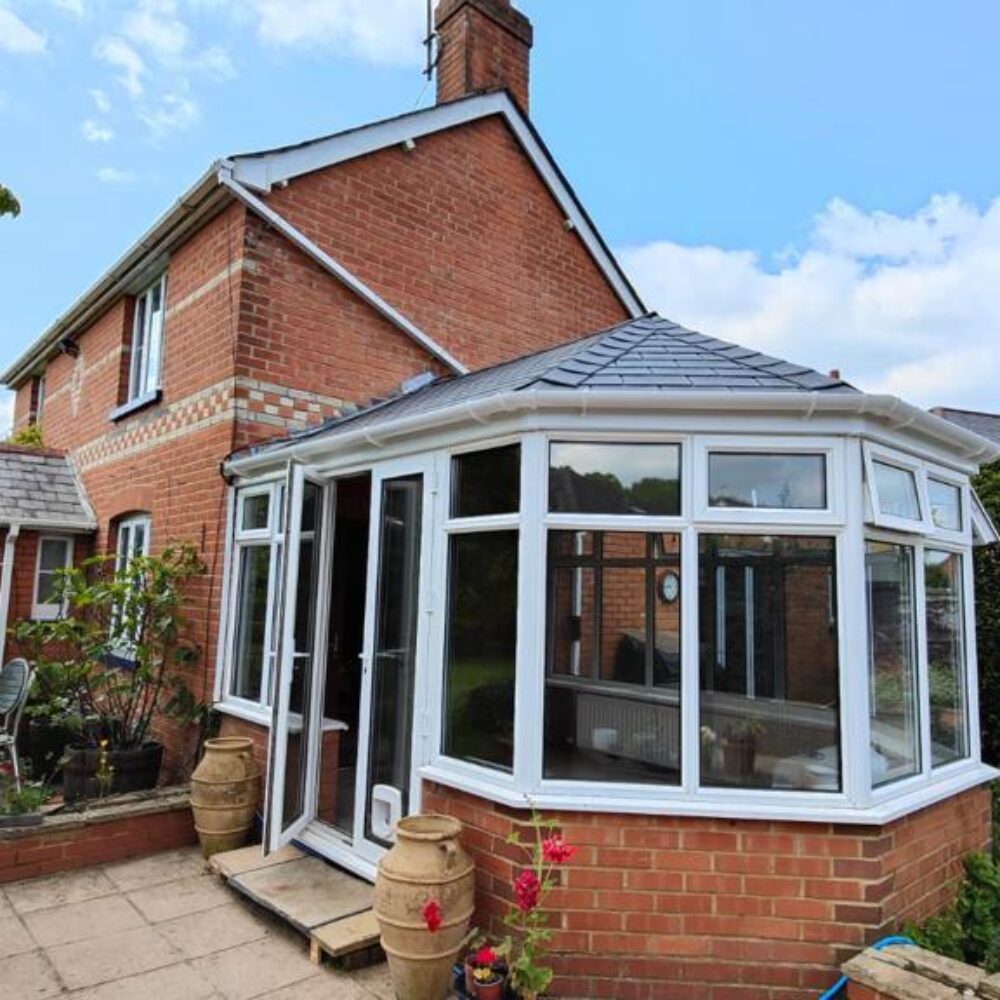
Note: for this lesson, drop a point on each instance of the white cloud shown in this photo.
(16, 36)
(174, 113)
(101, 100)
(74, 7)
(96, 131)
(155, 27)
(112, 175)
(118, 53)
(6, 413)
(389, 32)
(901, 304)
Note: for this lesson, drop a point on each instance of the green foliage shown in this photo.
(18, 802)
(29, 436)
(9, 205)
(987, 567)
(968, 931)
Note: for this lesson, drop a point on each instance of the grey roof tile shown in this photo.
(986, 424)
(39, 487)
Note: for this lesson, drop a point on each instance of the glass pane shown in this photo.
(136, 364)
(251, 621)
(615, 478)
(255, 509)
(945, 655)
(946, 505)
(895, 732)
(897, 491)
(738, 479)
(480, 641)
(395, 651)
(53, 554)
(612, 699)
(770, 715)
(486, 482)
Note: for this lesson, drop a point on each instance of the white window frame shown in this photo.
(874, 514)
(831, 449)
(124, 553)
(147, 333)
(49, 610)
(963, 535)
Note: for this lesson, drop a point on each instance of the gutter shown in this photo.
(331, 266)
(13, 530)
(892, 410)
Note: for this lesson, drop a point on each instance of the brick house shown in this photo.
(464, 551)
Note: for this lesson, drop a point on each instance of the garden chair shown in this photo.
(15, 680)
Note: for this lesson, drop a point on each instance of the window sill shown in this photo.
(134, 405)
(246, 711)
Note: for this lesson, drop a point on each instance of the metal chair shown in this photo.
(15, 682)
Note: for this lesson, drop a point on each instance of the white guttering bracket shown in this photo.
(347, 278)
(13, 530)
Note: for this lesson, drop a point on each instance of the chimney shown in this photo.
(482, 45)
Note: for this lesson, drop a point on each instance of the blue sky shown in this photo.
(818, 181)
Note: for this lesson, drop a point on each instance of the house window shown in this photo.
(132, 541)
(147, 340)
(892, 671)
(613, 675)
(946, 504)
(944, 611)
(54, 553)
(776, 481)
(769, 651)
(591, 478)
(481, 613)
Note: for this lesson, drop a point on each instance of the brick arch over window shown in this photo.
(130, 500)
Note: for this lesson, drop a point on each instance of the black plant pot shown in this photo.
(47, 739)
(133, 770)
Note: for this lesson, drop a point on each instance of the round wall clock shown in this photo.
(670, 587)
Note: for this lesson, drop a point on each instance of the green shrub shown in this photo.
(987, 567)
(29, 436)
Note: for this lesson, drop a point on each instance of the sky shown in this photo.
(816, 180)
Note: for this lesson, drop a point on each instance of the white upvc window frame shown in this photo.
(876, 453)
(49, 610)
(963, 534)
(146, 349)
(125, 552)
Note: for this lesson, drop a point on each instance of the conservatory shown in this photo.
(645, 573)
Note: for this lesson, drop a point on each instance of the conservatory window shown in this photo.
(613, 676)
(481, 613)
(946, 504)
(892, 651)
(769, 651)
(944, 613)
(633, 478)
(775, 480)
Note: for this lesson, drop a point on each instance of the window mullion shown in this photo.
(690, 666)
(923, 671)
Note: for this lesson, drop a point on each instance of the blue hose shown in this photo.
(877, 946)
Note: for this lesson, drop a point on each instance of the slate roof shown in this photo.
(985, 424)
(643, 354)
(40, 489)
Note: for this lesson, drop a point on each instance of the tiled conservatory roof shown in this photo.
(643, 354)
(40, 489)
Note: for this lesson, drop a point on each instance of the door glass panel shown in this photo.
(394, 651)
(297, 745)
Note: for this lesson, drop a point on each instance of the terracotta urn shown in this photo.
(225, 789)
(426, 863)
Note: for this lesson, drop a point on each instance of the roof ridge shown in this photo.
(610, 332)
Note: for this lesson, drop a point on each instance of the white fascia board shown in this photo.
(262, 171)
(900, 416)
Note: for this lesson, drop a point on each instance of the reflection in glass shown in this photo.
(897, 491)
(480, 642)
(615, 478)
(486, 482)
(768, 645)
(895, 732)
(943, 607)
(255, 509)
(612, 693)
(251, 621)
(739, 479)
(946, 505)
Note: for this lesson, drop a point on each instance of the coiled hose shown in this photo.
(877, 946)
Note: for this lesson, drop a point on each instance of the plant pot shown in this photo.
(490, 991)
(739, 755)
(426, 862)
(225, 789)
(470, 982)
(46, 744)
(134, 770)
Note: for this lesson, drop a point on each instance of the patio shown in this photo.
(157, 926)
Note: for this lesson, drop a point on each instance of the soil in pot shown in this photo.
(133, 770)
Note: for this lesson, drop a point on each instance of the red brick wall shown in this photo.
(671, 907)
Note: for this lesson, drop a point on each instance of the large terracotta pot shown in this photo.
(426, 862)
(225, 789)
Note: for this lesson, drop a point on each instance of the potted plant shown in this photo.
(20, 806)
(487, 978)
(708, 741)
(739, 748)
(121, 642)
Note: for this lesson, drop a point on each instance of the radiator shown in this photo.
(638, 730)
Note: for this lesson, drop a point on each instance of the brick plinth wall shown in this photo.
(671, 907)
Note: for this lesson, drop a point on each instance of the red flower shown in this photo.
(484, 958)
(526, 890)
(432, 914)
(555, 850)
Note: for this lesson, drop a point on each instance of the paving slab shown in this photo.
(327, 986)
(14, 939)
(28, 977)
(306, 892)
(114, 956)
(175, 982)
(167, 866)
(58, 890)
(248, 859)
(222, 927)
(175, 899)
(78, 921)
(257, 968)
(6, 910)
(375, 979)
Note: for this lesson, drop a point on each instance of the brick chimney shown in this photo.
(482, 45)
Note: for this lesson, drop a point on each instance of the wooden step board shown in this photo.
(344, 937)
